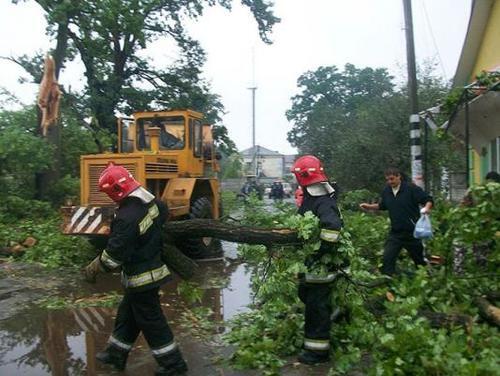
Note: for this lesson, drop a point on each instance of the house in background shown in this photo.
(270, 164)
(476, 120)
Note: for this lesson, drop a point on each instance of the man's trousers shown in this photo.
(316, 297)
(141, 312)
(393, 245)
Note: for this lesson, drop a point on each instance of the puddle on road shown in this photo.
(42, 342)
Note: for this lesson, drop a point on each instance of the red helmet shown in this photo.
(117, 182)
(308, 170)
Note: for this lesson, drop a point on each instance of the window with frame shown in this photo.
(172, 132)
(127, 136)
(495, 155)
(197, 138)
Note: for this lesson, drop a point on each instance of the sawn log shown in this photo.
(197, 228)
(488, 311)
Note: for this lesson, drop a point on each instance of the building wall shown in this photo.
(271, 165)
(488, 58)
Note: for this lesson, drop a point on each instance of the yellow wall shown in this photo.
(489, 53)
(476, 168)
(488, 58)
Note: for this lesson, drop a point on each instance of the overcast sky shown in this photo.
(366, 33)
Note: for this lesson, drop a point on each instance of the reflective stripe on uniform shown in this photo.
(122, 345)
(147, 221)
(109, 261)
(316, 344)
(160, 351)
(329, 235)
(315, 278)
(146, 277)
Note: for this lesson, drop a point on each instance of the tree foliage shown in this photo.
(23, 153)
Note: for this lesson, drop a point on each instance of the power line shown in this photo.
(434, 39)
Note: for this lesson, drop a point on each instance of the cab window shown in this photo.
(127, 136)
(197, 138)
(172, 132)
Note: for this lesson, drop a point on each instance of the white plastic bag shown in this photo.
(423, 228)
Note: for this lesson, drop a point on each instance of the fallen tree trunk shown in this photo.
(198, 228)
(178, 261)
(447, 320)
(492, 296)
(376, 305)
(488, 311)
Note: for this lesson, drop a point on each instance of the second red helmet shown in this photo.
(117, 182)
(308, 170)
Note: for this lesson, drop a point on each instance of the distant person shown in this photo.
(250, 187)
(299, 196)
(277, 191)
(402, 200)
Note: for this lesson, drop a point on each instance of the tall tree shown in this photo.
(109, 36)
(355, 120)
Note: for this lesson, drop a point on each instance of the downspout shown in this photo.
(467, 157)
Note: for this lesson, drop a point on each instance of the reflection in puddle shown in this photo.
(42, 342)
(237, 296)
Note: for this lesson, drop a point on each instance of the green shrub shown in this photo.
(351, 200)
(15, 208)
(53, 249)
(66, 188)
(393, 339)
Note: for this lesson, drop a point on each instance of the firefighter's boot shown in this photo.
(114, 357)
(313, 357)
(171, 364)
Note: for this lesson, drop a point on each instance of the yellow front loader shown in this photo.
(171, 153)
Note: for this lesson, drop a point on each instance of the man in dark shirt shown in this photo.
(402, 199)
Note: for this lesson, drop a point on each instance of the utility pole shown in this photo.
(253, 88)
(254, 157)
(415, 143)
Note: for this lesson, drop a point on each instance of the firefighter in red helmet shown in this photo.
(315, 285)
(135, 245)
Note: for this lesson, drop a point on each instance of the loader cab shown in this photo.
(175, 133)
(178, 129)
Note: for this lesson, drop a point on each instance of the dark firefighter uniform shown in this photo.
(135, 245)
(314, 289)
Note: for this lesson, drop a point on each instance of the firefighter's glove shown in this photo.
(91, 270)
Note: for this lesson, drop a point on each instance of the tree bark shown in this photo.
(198, 228)
(488, 311)
(376, 305)
(46, 179)
(178, 261)
(445, 320)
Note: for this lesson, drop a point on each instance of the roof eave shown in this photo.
(480, 12)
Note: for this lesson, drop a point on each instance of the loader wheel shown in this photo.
(201, 249)
(98, 241)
